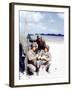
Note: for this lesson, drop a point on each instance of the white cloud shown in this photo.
(51, 19)
(40, 23)
(61, 15)
(31, 16)
(36, 17)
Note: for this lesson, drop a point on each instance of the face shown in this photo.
(37, 37)
(40, 39)
(34, 48)
(46, 49)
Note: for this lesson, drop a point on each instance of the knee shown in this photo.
(32, 67)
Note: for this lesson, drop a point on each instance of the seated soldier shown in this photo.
(45, 58)
(32, 59)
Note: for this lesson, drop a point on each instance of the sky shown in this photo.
(41, 22)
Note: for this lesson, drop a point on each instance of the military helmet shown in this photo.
(34, 44)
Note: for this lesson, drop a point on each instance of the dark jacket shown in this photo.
(41, 44)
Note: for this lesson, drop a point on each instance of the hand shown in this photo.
(43, 57)
(39, 57)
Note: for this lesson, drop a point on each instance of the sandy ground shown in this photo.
(57, 68)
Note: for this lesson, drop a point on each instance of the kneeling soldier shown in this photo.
(45, 58)
(32, 59)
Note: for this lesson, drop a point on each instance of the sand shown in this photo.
(58, 72)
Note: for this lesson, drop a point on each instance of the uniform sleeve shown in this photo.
(41, 53)
(44, 44)
(48, 57)
(31, 56)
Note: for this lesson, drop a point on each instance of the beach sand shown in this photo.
(57, 69)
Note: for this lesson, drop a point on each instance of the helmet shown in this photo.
(34, 44)
(39, 36)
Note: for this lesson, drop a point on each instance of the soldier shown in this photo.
(41, 43)
(45, 58)
(32, 59)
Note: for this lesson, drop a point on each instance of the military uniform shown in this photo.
(32, 60)
(45, 55)
(45, 58)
